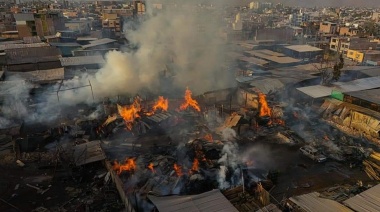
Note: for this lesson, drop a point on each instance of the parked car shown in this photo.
(313, 154)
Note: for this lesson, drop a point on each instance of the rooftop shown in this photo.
(318, 91)
(40, 75)
(253, 60)
(99, 42)
(303, 48)
(368, 200)
(270, 57)
(81, 60)
(212, 201)
(21, 45)
(368, 95)
(312, 202)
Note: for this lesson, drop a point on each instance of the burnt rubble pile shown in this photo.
(191, 168)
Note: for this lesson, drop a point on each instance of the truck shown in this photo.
(313, 154)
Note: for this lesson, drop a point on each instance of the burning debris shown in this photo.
(189, 102)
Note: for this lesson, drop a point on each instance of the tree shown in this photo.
(337, 68)
(328, 71)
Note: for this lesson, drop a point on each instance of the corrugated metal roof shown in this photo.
(318, 91)
(313, 203)
(40, 75)
(253, 60)
(21, 45)
(212, 201)
(267, 84)
(369, 95)
(88, 153)
(303, 48)
(81, 60)
(368, 200)
(32, 55)
(32, 39)
(273, 58)
(99, 42)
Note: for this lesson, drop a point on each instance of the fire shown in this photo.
(130, 113)
(189, 101)
(208, 137)
(151, 167)
(264, 109)
(161, 103)
(178, 170)
(195, 166)
(129, 165)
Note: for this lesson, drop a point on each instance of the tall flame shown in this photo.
(178, 170)
(128, 165)
(161, 103)
(195, 166)
(130, 113)
(151, 167)
(264, 108)
(189, 101)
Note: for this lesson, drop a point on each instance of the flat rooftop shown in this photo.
(273, 58)
(367, 95)
(303, 48)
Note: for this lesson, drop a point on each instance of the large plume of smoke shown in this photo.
(184, 41)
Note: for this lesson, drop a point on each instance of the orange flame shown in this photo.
(161, 103)
(195, 166)
(189, 101)
(129, 113)
(151, 167)
(264, 109)
(129, 165)
(208, 137)
(178, 170)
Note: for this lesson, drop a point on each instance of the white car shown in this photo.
(313, 154)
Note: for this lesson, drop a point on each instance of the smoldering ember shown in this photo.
(188, 106)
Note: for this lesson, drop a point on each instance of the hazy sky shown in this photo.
(304, 3)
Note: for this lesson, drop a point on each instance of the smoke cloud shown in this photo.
(179, 42)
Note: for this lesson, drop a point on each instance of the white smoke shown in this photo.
(230, 158)
(223, 184)
(228, 134)
(184, 41)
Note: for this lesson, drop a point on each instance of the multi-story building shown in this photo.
(298, 19)
(344, 44)
(259, 5)
(38, 24)
(361, 56)
(81, 26)
(348, 31)
(328, 27)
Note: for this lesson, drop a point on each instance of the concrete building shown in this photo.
(81, 27)
(305, 52)
(348, 31)
(328, 27)
(361, 56)
(298, 19)
(343, 44)
(41, 24)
